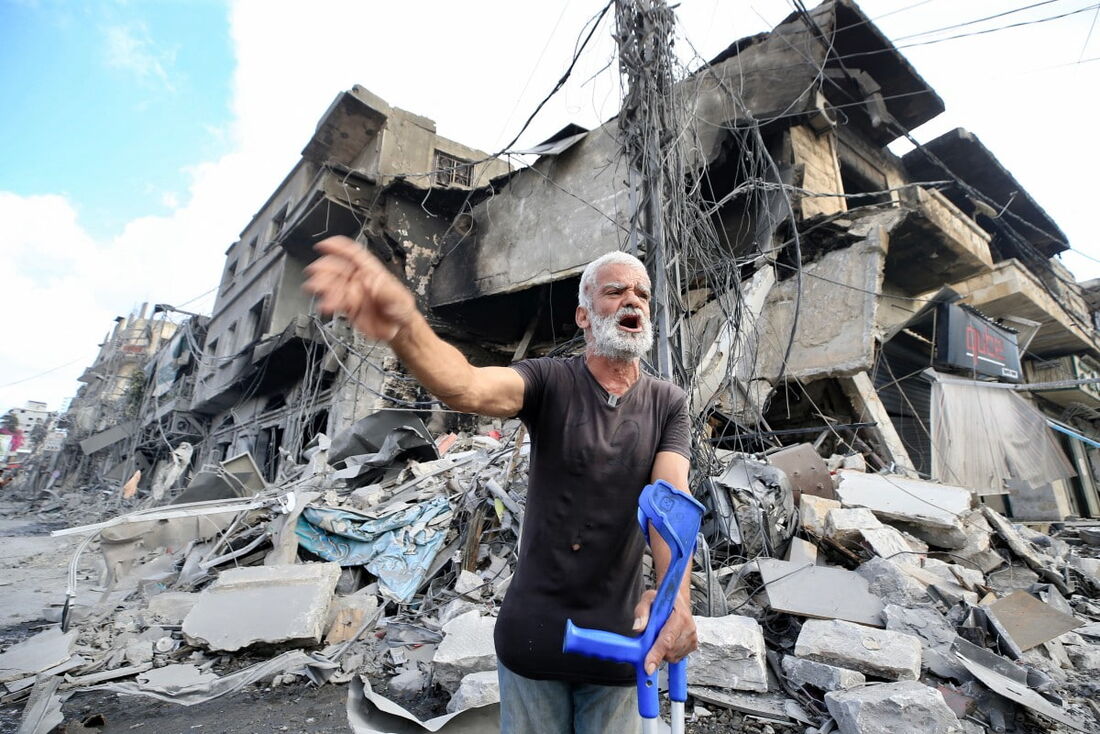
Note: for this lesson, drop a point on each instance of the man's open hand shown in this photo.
(349, 280)
(675, 640)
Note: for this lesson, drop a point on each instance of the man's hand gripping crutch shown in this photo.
(676, 517)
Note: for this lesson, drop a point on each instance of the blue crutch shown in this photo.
(676, 517)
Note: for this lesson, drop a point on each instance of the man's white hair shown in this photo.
(588, 277)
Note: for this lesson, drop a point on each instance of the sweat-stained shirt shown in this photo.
(580, 554)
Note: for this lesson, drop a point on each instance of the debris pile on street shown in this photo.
(875, 603)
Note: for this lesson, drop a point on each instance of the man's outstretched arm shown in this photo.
(349, 280)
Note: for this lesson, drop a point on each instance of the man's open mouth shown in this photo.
(630, 322)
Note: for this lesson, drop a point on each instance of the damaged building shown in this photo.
(894, 386)
(273, 375)
(843, 295)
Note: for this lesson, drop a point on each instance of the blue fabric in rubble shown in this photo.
(398, 548)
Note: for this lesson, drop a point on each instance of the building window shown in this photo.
(277, 222)
(229, 275)
(451, 170)
(251, 254)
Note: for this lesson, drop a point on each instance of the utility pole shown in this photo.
(643, 31)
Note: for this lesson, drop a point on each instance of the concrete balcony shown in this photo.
(937, 244)
(1010, 289)
(1047, 374)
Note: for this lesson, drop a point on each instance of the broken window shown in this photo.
(450, 170)
(276, 226)
(228, 276)
(255, 319)
(230, 346)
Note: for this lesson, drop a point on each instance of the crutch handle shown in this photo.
(676, 517)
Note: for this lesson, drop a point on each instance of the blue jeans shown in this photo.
(556, 707)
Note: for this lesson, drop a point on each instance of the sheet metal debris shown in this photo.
(1013, 688)
(1030, 622)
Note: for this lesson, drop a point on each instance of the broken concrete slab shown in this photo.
(731, 654)
(1014, 578)
(819, 591)
(949, 591)
(936, 636)
(888, 708)
(172, 606)
(955, 573)
(175, 679)
(1028, 621)
(846, 525)
(812, 512)
(767, 706)
(36, 654)
(1085, 658)
(476, 690)
(348, 614)
(887, 581)
(1043, 566)
(467, 647)
(42, 714)
(890, 544)
(263, 604)
(408, 682)
(801, 552)
(802, 672)
(928, 510)
(874, 652)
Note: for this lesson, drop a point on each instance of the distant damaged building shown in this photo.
(274, 374)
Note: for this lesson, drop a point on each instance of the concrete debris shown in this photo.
(889, 708)
(730, 655)
(887, 581)
(813, 511)
(269, 604)
(819, 591)
(467, 647)
(36, 654)
(348, 615)
(1008, 680)
(878, 653)
(42, 713)
(847, 525)
(475, 690)
(409, 682)
(172, 606)
(936, 636)
(802, 672)
(928, 510)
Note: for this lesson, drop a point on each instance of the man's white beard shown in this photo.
(608, 341)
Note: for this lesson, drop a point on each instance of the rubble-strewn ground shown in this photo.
(298, 708)
(413, 540)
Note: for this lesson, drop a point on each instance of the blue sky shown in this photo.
(111, 101)
(139, 136)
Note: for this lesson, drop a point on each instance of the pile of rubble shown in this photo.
(826, 597)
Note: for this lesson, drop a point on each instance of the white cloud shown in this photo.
(130, 48)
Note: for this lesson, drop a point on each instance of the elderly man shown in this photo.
(601, 429)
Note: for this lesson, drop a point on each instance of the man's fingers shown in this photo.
(641, 610)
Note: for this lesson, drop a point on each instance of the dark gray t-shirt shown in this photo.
(580, 554)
